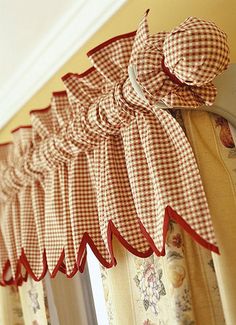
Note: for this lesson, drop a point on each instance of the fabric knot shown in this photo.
(14, 177)
(86, 129)
(172, 77)
(200, 51)
(178, 67)
(55, 150)
(10, 182)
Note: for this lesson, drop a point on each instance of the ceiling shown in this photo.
(37, 38)
(23, 25)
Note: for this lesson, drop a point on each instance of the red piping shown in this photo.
(111, 230)
(78, 75)
(40, 110)
(6, 143)
(172, 77)
(172, 214)
(109, 41)
(59, 93)
(21, 127)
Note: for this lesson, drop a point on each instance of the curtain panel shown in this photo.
(100, 161)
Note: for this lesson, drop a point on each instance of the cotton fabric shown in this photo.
(214, 148)
(98, 162)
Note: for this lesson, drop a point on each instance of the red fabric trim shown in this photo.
(171, 75)
(131, 249)
(111, 230)
(78, 75)
(24, 261)
(109, 41)
(66, 76)
(80, 256)
(175, 216)
(6, 143)
(40, 110)
(59, 93)
(21, 127)
(95, 49)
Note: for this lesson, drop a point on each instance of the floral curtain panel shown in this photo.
(101, 161)
(193, 285)
(34, 303)
(215, 149)
(10, 306)
(178, 288)
(26, 304)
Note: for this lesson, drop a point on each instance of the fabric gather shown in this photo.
(98, 162)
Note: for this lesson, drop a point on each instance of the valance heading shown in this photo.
(101, 161)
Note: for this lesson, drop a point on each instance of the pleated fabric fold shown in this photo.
(98, 162)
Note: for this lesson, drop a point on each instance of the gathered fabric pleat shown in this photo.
(98, 162)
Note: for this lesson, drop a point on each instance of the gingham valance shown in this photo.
(98, 161)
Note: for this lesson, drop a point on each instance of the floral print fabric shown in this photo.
(178, 288)
(34, 303)
(160, 289)
(24, 305)
(10, 306)
(160, 283)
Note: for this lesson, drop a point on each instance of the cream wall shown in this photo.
(164, 15)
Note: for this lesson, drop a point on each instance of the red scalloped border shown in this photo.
(111, 230)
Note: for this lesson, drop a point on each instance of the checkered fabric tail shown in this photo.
(98, 162)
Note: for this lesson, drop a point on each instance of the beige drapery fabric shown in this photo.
(45, 154)
(215, 151)
(98, 161)
(24, 305)
(10, 306)
(179, 288)
(208, 279)
(33, 299)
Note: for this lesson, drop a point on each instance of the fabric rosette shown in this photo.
(178, 67)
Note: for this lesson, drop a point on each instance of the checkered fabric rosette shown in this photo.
(100, 161)
(177, 68)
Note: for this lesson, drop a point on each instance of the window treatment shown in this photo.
(26, 304)
(178, 288)
(100, 161)
(189, 282)
(215, 150)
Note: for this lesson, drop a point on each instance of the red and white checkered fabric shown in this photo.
(99, 161)
(6, 233)
(178, 67)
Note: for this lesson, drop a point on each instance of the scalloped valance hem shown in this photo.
(170, 214)
(98, 162)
